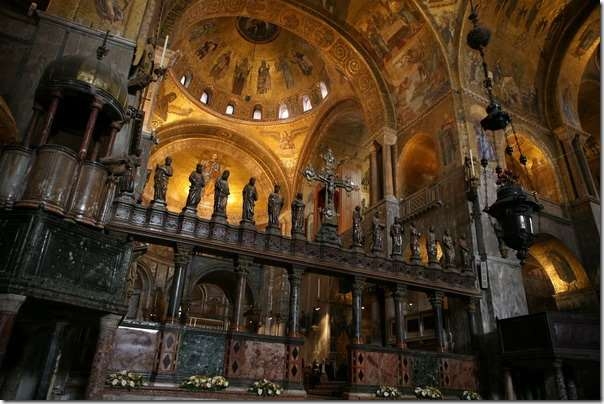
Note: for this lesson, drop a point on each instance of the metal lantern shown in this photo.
(514, 209)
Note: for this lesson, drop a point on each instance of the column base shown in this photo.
(273, 230)
(397, 257)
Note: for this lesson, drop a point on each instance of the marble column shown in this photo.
(33, 124)
(50, 364)
(508, 384)
(559, 378)
(388, 140)
(182, 257)
(242, 267)
(115, 128)
(566, 136)
(471, 308)
(50, 116)
(357, 314)
(579, 144)
(95, 107)
(295, 279)
(102, 356)
(436, 300)
(374, 191)
(9, 307)
(399, 295)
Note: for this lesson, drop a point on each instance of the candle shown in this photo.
(163, 53)
(472, 164)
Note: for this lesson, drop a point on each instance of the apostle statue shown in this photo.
(396, 232)
(162, 176)
(275, 203)
(448, 250)
(198, 182)
(249, 201)
(221, 194)
(357, 230)
(414, 236)
(298, 215)
(431, 246)
(464, 253)
(378, 233)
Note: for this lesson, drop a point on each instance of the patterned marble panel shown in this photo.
(134, 349)
(257, 360)
(201, 353)
(381, 368)
(459, 374)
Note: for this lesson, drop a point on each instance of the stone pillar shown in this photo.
(559, 378)
(508, 384)
(357, 294)
(33, 124)
(50, 365)
(436, 300)
(387, 138)
(584, 165)
(241, 268)
(9, 307)
(102, 356)
(295, 279)
(566, 136)
(182, 257)
(96, 106)
(571, 386)
(50, 116)
(471, 308)
(115, 128)
(399, 295)
(374, 180)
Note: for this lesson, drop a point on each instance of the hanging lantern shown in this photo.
(514, 210)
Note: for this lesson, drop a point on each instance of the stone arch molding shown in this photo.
(267, 160)
(369, 86)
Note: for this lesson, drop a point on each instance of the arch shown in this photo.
(335, 45)
(415, 173)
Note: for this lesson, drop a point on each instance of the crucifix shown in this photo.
(328, 232)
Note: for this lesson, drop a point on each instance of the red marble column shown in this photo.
(115, 128)
(96, 106)
(50, 117)
(9, 307)
(104, 348)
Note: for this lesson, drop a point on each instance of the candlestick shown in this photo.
(163, 53)
(472, 164)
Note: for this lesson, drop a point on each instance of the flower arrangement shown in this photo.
(389, 392)
(207, 383)
(125, 379)
(470, 395)
(265, 388)
(428, 393)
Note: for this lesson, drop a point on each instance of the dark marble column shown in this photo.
(9, 307)
(182, 257)
(436, 300)
(357, 294)
(242, 266)
(559, 378)
(471, 307)
(295, 279)
(399, 295)
(50, 117)
(96, 106)
(102, 357)
(50, 364)
(33, 124)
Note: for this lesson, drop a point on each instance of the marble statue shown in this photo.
(198, 183)
(396, 232)
(357, 230)
(162, 176)
(275, 203)
(448, 250)
(298, 214)
(414, 236)
(221, 194)
(250, 196)
(378, 233)
(431, 246)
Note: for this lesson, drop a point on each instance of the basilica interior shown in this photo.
(334, 196)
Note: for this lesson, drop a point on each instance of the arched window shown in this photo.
(185, 79)
(230, 109)
(324, 90)
(283, 111)
(306, 104)
(257, 114)
(205, 97)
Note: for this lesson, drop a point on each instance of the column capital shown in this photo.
(11, 303)
(243, 264)
(97, 103)
(399, 291)
(295, 273)
(386, 136)
(436, 298)
(472, 304)
(358, 284)
(109, 321)
(183, 253)
(565, 133)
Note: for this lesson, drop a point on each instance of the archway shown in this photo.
(419, 164)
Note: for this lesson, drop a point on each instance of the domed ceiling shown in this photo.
(249, 63)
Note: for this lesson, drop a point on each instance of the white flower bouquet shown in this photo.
(428, 393)
(125, 380)
(205, 383)
(470, 395)
(388, 392)
(265, 388)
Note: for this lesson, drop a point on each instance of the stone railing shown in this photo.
(227, 240)
(420, 202)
